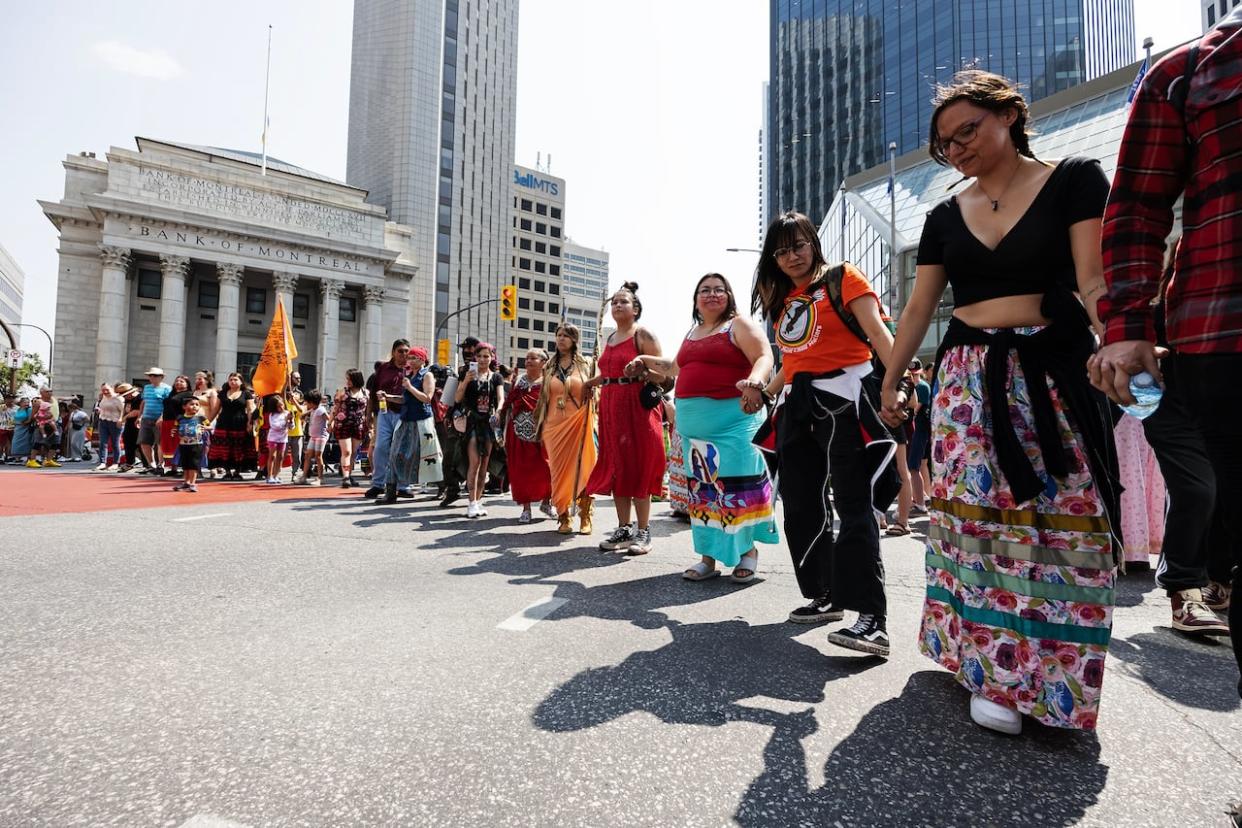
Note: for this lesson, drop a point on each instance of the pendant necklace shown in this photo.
(1008, 184)
(563, 375)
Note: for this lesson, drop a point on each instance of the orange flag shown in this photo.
(279, 351)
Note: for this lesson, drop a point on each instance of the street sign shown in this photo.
(13, 358)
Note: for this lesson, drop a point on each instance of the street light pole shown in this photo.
(445, 320)
(51, 346)
(894, 285)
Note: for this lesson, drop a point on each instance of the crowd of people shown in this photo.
(1007, 440)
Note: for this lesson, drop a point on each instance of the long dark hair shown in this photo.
(772, 286)
(730, 310)
(985, 90)
(356, 379)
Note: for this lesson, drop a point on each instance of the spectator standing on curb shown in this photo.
(317, 418)
(153, 395)
(384, 387)
(131, 454)
(172, 411)
(189, 428)
(46, 442)
(1181, 141)
(7, 425)
(295, 404)
(23, 430)
(78, 421)
(111, 414)
(349, 423)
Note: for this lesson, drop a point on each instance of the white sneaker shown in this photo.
(995, 716)
(481, 510)
(546, 508)
(524, 518)
(102, 467)
(472, 511)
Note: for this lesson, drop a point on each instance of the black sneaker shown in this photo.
(450, 497)
(621, 538)
(374, 491)
(817, 612)
(389, 498)
(868, 635)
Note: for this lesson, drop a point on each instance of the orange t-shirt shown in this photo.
(811, 335)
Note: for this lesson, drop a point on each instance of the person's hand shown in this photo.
(892, 411)
(635, 367)
(1111, 367)
(752, 399)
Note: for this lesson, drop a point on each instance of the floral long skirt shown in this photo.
(1019, 596)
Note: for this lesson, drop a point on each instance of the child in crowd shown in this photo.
(190, 444)
(316, 439)
(277, 438)
(78, 421)
(46, 442)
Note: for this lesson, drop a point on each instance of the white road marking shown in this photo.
(532, 615)
(201, 517)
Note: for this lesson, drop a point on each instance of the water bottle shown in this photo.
(1146, 392)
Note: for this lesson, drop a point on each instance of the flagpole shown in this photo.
(267, 85)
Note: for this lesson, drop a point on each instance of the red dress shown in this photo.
(529, 478)
(631, 438)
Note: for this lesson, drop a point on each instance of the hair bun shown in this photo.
(632, 287)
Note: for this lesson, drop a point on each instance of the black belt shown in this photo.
(619, 380)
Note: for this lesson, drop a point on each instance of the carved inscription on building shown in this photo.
(275, 253)
(241, 202)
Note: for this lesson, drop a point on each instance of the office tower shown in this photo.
(538, 227)
(1215, 11)
(850, 76)
(584, 284)
(12, 287)
(431, 137)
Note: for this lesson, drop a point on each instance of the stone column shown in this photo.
(372, 315)
(285, 283)
(227, 314)
(112, 343)
(172, 313)
(329, 334)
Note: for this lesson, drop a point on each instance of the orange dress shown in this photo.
(569, 438)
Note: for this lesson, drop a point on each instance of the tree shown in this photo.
(29, 375)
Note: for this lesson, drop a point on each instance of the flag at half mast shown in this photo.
(276, 364)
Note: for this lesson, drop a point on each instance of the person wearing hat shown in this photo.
(415, 453)
(450, 440)
(111, 409)
(153, 395)
(129, 425)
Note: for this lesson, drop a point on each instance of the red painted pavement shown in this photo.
(48, 492)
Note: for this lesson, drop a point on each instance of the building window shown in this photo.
(523, 303)
(539, 305)
(555, 232)
(541, 267)
(556, 212)
(246, 363)
(540, 247)
(208, 294)
(150, 283)
(524, 264)
(553, 307)
(301, 306)
(541, 209)
(524, 244)
(555, 270)
(349, 309)
(539, 324)
(552, 345)
(541, 228)
(526, 204)
(525, 224)
(523, 283)
(523, 342)
(540, 287)
(256, 300)
(523, 322)
(554, 250)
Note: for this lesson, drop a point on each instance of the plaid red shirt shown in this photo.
(1154, 167)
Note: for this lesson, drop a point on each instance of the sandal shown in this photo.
(701, 571)
(747, 565)
(897, 529)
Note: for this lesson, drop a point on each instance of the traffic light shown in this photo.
(508, 303)
(443, 351)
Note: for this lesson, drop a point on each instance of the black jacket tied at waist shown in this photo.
(1058, 352)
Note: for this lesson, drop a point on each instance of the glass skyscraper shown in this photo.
(849, 77)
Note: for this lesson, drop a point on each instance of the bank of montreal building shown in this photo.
(557, 280)
(174, 255)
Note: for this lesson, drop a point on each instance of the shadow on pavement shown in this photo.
(693, 680)
(1199, 674)
(918, 760)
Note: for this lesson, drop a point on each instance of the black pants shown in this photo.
(847, 568)
(450, 444)
(1195, 550)
(1209, 386)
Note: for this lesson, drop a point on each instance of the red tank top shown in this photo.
(711, 367)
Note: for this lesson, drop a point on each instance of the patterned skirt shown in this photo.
(1019, 596)
(730, 493)
(678, 486)
(233, 450)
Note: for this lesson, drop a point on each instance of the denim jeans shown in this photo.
(385, 424)
(109, 442)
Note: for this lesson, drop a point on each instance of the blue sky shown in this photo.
(649, 109)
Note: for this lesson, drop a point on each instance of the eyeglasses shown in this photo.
(796, 249)
(965, 134)
(713, 291)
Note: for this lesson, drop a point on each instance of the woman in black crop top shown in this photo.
(1020, 553)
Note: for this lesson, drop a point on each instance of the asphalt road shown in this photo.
(327, 662)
